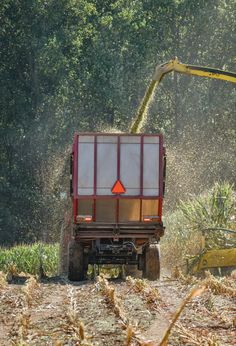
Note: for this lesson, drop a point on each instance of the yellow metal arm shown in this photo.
(175, 65)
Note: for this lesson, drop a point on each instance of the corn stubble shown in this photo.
(20, 331)
(143, 288)
(194, 292)
(150, 294)
(195, 340)
(225, 286)
(220, 286)
(115, 303)
(73, 328)
(75, 324)
(3, 280)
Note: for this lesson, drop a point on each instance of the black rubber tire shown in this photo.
(141, 262)
(152, 262)
(76, 261)
(63, 251)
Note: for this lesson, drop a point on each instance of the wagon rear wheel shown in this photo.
(63, 251)
(76, 261)
(152, 262)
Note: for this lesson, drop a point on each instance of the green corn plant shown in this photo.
(28, 258)
(214, 209)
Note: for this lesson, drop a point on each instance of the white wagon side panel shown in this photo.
(86, 165)
(151, 166)
(106, 164)
(130, 165)
(106, 157)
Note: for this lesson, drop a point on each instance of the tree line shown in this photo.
(80, 65)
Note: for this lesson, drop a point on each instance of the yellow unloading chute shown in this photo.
(176, 66)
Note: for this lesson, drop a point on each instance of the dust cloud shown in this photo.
(195, 163)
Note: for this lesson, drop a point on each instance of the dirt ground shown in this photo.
(123, 312)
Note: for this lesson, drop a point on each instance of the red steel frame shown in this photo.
(76, 197)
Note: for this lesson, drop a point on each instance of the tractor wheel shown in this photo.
(75, 261)
(63, 252)
(152, 262)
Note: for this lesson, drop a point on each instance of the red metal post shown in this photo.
(161, 157)
(141, 176)
(95, 178)
(118, 177)
(75, 177)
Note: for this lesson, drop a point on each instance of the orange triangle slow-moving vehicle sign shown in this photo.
(118, 187)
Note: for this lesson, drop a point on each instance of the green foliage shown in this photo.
(29, 258)
(83, 65)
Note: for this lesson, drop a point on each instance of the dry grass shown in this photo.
(116, 304)
(111, 297)
(3, 280)
(233, 274)
(194, 292)
(150, 294)
(31, 295)
(219, 286)
(129, 334)
(75, 324)
(132, 333)
(23, 323)
(177, 274)
(187, 337)
(70, 322)
(20, 332)
(29, 290)
(225, 286)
